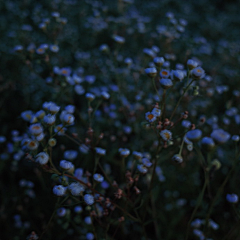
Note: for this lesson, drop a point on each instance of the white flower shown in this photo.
(164, 73)
(84, 148)
(166, 135)
(59, 190)
(100, 151)
(66, 165)
(197, 73)
(36, 129)
(98, 177)
(89, 199)
(137, 155)
(150, 117)
(59, 129)
(90, 97)
(146, 162)
(124, 152)
(220, 136)
(105, 95)
(68, 119)
(76, 188)
(42, 158)
(32, 145)
(156, 112)
(49, 119)
(70, 154)
(61, 212)
(141, 168)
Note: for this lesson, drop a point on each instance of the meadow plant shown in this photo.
(122, 132)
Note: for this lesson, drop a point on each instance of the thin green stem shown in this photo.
(155, 87)
(152, 179)
(185, 90)
(163, 103)
(221, 189)
(199, 201)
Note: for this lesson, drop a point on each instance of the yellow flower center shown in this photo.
(150, 116)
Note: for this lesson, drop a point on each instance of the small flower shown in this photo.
(199, 233)
(104, 48)
(27, 115)
(32, 145)
(196, 223)
(177, 75)
(141, 168)
(186, 123)
(98, 177)
(40, 114)
(213, 224)
(166, 83)
(49, 119)
(194, 135)
(40, 50)
(61, 212)
(191, 64)
(158, 61)
(90, 79)
(54, 48)
(90, 97)
(70, 108)
(105, 95)
(36, 129)
(65, 71)
(70, 154)
(60, 130)
(149, 52)
(42, 158)
(18, 48)
(207, 144)
(166, 135)
(232, 198)
(100, 151)
(42, 25)
(156, 112)
(146, 162)
(164, 73)
(79, 89)
(84, 148)
(66, 165)
(2, 139)
(128, 61)
(89, 236)
(177, 158)
(220, 136)
(59, 190)
(235, 138)
(76, 188)
(151, 72)
(68, 119)
(89, 199)
(150, 117)
(197, 73)
(78, 209)
(88, 220)
(119, 39)
(62, 20)
(53, 108)
(55, 14)
(137, 155)
(190, 147)
(124, 152)
(52, 142)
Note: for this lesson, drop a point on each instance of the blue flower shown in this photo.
(232, 198)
